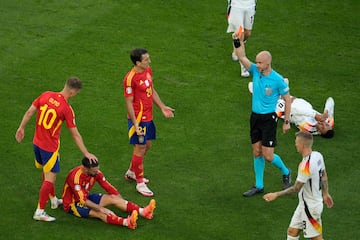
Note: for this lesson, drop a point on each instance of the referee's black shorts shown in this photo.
(263, 128)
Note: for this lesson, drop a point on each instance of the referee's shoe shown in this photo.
(287, 180)
(252, 191)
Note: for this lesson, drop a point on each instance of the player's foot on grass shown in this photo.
(144, 190)
(287, 180)
(56, 202)
(148, 211)
(130, 176)
(43, 216)
(252, 191)
(131, 220)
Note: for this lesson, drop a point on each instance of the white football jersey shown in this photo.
(302, 114)
(310, 172)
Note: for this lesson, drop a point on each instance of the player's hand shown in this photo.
(270, 197)
(139, 131)
(91, 157)
(328, 201)
(19, 135)
(108, 212)
(286, 127)
(324, 116)
(168, 112)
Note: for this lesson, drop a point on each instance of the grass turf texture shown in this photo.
(202, 161)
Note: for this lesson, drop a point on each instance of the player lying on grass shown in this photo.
(78, 201)
(306, 118)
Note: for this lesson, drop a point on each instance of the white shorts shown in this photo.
(241, 17)
(307, 220)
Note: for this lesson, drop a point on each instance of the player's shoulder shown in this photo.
(46, 94)
(317, 158)
(316, 154)
(130, 75)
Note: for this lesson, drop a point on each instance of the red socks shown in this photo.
(47, 189)
(130, 207)
(137, 167)
(115, 220)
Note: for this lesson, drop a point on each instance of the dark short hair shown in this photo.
(74, 83)
(136, 54)
(328, 134)
(89, 164)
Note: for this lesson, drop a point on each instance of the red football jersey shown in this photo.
(140, 86)
(53, 109)
(78, 184)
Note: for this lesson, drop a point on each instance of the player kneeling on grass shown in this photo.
(78, 200)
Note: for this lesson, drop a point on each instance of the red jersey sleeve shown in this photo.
(110, 189)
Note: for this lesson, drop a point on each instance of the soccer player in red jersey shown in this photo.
(140, 95)
(52, 110)
(78, 201)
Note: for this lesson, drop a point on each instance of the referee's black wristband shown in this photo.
(237, 43)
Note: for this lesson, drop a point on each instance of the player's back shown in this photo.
(53, 110)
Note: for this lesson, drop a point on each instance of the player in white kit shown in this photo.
(304, 117)
(312, 188)
(241, 14)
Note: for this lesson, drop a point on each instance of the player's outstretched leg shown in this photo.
(148, 211)
(131, 220)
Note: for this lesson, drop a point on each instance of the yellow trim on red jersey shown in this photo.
(138, 120)
(130, 77)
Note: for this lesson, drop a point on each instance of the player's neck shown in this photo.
(139, 69)
(65, 94)
(306, 152)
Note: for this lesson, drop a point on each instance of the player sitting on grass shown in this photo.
(78, 201)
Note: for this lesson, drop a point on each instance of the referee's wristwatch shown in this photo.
(287, 122)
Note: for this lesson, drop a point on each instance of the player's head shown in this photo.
(74, 83)
(329, 134)
(72, 86)
(304, 140)
(138, 55)
(325, 129)
(91, 167)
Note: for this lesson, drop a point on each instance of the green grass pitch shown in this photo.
(201, 162)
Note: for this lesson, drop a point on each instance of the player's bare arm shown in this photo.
(98, 208)
(26, 118)
(168, 112)
(293, 189)
(79, 142)
(286, 123)
(325, 191)
(130, 110)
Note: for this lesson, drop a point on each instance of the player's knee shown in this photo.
(148, 145)
(114, 198)
(293, 233)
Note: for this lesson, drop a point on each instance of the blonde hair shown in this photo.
(305, 138)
